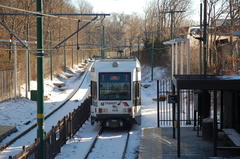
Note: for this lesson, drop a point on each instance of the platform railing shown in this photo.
(58, 135)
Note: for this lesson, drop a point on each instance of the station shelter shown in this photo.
(218, 98)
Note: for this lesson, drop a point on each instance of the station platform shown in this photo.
(6, 131)
(158, 143)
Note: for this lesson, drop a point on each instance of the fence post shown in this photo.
(158, 103)
(188, 120)
(53, 140)
(46, 149)
(69, 126)
(173, 112)
(66, 129)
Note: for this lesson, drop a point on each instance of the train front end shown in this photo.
(116, 92)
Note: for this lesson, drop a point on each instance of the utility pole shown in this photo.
(172, 12)
(51, 57)
(138, 48)
(205, 38)
(103, 54)
(200, 41)
(152, 53)
(28, 61)
(40, 81)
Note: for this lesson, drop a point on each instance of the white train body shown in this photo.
(116, 91)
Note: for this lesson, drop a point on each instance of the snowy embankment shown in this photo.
(21, 112)
(75, 148)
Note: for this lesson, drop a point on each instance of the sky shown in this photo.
(119, 6)
(131, 6)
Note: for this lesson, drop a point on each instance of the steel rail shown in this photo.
(99, 134)
(126, 143)
(94, 142)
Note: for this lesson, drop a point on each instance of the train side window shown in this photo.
(139, 93)
(136, 93)
(94, 92)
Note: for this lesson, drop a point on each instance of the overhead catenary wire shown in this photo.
(75, 41)
(114, 37)
(58, 45)
(49, 15)
(94, 39)
(57, 15)
(46, 40)
(11, 32)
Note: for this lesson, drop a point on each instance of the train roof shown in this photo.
(117, 64)
(121, 58)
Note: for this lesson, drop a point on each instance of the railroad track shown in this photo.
(84, 75)
(110, 143)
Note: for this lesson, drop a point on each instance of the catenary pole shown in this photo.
(152, 52)
(72, 55)
(65, 63)
(200, 41)
(205, 38)
(51, 57)
(40, 81)
(103, 54)
(138, 48)
(152, 56)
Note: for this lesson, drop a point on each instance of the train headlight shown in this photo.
(115, 64)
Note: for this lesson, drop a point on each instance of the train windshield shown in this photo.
(114, 86)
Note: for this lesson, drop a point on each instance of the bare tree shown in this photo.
(134, 29)
(158, 16)
(83, 6)
(223, 18)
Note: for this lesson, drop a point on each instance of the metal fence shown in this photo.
(6, 84)
(166, 110)
(58, 135)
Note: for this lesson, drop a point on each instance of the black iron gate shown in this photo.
(166, 111)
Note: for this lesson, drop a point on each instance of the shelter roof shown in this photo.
(207, 82)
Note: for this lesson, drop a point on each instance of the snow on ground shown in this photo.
(21, 112)
(149, 119)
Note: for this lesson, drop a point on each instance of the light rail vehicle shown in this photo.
(116, 91)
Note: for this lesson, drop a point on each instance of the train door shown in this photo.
(93, 101)
(137, 102)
